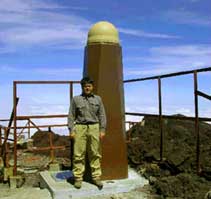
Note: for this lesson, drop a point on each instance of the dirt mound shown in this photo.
(41, 139)
(175, 175)
(182, 185)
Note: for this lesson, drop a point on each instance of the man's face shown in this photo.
(87, 89)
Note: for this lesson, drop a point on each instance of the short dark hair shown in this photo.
(87, 80)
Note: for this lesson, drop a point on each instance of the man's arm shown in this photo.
(102, 117)
(71, 116)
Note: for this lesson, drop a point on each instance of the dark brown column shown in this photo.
(103, 62)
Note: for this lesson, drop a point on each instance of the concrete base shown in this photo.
(66, 190)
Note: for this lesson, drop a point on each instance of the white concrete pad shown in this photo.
(65, 190)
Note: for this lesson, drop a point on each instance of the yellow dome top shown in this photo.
(103, 32)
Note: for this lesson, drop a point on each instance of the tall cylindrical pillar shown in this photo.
(103, 62)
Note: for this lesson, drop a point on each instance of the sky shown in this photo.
(45, 40)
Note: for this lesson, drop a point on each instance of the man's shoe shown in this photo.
(77, 184)
(98, 183)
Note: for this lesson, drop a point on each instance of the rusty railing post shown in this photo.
(0, 136)
(129, 125)
(29, 129)
(160, 118)
(22, 131)
(15, 126)
(51, 144)
(71, 91)
(197, 123)
(71, 140)
(1, 141)
(6, 150)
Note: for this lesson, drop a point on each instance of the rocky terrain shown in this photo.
(175, 176)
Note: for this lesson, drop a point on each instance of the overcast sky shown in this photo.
(45, 39)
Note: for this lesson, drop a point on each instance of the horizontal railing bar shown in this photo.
(7, 139)
(41, 126)
(169, 116)
(132, 121)
(168, 75)
(26, 117)
(46, 82)
(48, 148)
(4, 120)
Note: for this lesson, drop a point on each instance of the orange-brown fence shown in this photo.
(31, 125)
(16, 117)
(4, 136)
(161, 116)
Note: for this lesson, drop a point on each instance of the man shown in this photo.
(87, 124)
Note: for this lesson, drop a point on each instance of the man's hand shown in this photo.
(102, 135)
(72, 135)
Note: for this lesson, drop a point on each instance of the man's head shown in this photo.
(87, 85)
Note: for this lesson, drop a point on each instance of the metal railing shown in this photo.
(15, 83)
(5, 144)
(31, 125)
(161, 116)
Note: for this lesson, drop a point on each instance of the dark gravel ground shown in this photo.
(175, 176)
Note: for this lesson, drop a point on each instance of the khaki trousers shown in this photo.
(86, 140)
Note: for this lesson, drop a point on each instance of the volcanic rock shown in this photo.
(176, 173)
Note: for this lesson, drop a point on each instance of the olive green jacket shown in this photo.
(87, 110)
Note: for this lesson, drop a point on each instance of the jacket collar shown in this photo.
(86, 96)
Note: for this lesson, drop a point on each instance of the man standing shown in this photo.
(87, 124)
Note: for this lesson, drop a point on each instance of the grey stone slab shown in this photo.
(64, 190)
